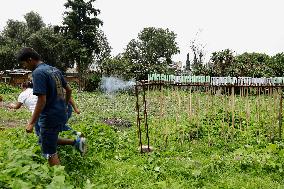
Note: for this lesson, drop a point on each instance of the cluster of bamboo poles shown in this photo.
(238, 109)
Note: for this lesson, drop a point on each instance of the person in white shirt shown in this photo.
(26, 98)
(29, 100)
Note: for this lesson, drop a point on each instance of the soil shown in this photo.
(117, 123)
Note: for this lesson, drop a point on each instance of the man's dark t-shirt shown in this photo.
(48, 80)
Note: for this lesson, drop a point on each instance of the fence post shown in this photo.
(138, 117)
(280, 113)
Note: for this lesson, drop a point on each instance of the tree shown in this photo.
(34, 22)
(51, 47)
(276, 65)
(14, 36)
(221, 63)
(80, 26)
(196, 65)
(252, 65)
(8, 56)
(117, 66)
(104, 49)
(152, 51)
(15, 31)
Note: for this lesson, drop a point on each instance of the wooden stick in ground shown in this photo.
(247, 108)
(190, 103)
(264, 101)
(257, 104)
(223, 112)
(175, 100)
(161, 102)
(138, 118)
(269, 115)
(240, 107)
(198, 113)
(146, 117)
(233, 108)
(226, 111)
(179, 114)
(280, 112)
(275, 113)
(168, 101)
(207, 99)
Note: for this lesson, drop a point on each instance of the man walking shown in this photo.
(51, 106)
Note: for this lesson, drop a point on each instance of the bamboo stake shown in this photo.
(206, 112)
(275, 111)
(247, 108)
(146, 117)
(190, 102)
(233, 107)
(138, 118)
(223, 113)
(280, 113)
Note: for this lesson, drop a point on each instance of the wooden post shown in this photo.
(146, 117)
(280, 113)
(138, 118)
(233, 107)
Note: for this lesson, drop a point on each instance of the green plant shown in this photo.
(8, 89)
(92, 82)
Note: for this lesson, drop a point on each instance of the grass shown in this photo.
(193, 149)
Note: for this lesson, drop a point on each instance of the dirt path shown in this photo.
(11, 124)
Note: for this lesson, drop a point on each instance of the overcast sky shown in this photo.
(241, 25)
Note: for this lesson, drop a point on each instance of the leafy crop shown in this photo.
(198, 149)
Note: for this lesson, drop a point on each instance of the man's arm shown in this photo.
(74, 106)
(15, 105)
(38, 109)
(68, 93)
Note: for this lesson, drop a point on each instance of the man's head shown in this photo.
(28, 58)
(26, 85)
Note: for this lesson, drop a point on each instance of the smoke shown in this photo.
(113, 84)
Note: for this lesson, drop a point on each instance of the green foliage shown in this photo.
(93, 81)
(16, 31)
(80, 26)
(34, 22)
(104, 49)
(252, 65)
(117, 66)
(7, 89)
(22, 166)
(151, 52)
(225, 63)
(200, 151)
(32, 33)
(8, 51)
(51, 47)
(276, 65)
(221, 63)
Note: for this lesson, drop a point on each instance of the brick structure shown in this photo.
(15, 77)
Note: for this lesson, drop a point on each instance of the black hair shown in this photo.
(28, 84)
(27, 53)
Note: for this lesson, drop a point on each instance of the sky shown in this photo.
(240, 25)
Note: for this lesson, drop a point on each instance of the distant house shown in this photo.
(15, 77)
(71, 75)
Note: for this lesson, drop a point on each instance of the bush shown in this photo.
(92, 82)
(7, 89)
(74, 85)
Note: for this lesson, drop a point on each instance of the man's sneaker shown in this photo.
(78, 134)
(81, 145)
